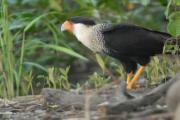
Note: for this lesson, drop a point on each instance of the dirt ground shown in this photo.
(35, 108)
(111, 102)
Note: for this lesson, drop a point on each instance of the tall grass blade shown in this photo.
(36, 65)
(33, 22)
(66, 50)
(6, 51)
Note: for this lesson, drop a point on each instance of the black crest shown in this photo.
(84, 20)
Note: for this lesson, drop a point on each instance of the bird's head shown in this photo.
(77, 24)
(81, 27)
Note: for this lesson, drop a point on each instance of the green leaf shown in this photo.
(177, 2)
(16, 24)
(100, 61)
(174, 23)
(37, 19)
(174, 15)
(33, 22)
(67, 51)
(36, 65)
(174, 27)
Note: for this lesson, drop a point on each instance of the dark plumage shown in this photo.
(84, 20)
(133, 44)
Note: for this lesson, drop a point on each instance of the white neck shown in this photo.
(83, 33)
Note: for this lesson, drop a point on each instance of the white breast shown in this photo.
(83, 34)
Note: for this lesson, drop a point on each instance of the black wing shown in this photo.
(132, 40)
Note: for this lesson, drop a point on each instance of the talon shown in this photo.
(129, 77)
(132, 84)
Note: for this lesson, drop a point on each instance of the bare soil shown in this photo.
(111, 102)
(35, 107)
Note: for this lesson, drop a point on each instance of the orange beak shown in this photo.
(67, 25)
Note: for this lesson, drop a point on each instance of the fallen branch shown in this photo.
(68, 99)
(136, 103)
(77, 100)
(117, 103)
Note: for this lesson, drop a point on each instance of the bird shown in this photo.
(131, 44)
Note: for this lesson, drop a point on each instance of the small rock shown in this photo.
(6, 115)
(39, 111)
(173, 96)
(177, 115)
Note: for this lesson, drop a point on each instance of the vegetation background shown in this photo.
(35, 54)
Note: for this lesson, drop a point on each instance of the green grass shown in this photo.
(15, 78)
(58, 78)
(11, 66)
(8, 71)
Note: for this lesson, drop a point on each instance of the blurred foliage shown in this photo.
(58, 78)
(96, 80)
(37, 47)
(174, 17)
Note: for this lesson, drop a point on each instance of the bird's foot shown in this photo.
(132, 84)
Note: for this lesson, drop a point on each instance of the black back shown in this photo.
(84, 20)
(133, 44)
(131, 40)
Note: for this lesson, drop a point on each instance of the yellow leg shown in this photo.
(129, 77)
(135, 78)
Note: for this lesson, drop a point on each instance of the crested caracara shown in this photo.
(130, 44)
